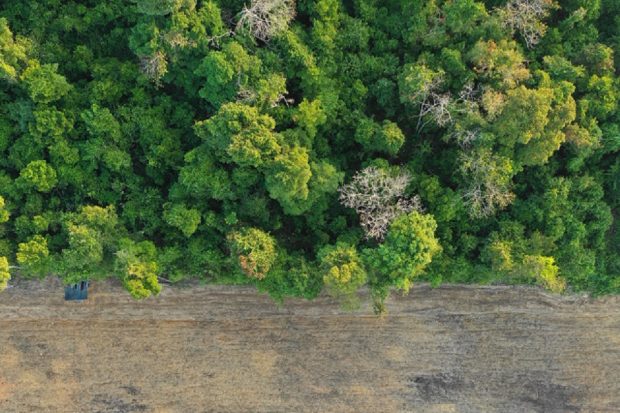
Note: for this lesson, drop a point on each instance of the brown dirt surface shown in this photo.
(229, 349)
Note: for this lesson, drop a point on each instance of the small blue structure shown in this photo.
(78, 291)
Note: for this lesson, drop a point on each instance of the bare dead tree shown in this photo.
(155, 7)
(215, 40)
(177, 40)
(489, 186)
(469, 97)
(440, 108)
(469, 92)
(466, 138)
(437, 106)
(467, 102)
(266, 18)
(378, 197)
(246, 95)
(250, 97)
(484, 200)
(427, 88)
(154, 66)
(526, 17)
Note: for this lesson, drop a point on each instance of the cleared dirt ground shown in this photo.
(224, 349)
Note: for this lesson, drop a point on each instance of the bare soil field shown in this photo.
(229, 349)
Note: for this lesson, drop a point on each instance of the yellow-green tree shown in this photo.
(253, 251)
(343, 272)
(5, 276)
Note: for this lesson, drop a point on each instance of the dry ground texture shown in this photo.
(228, 349)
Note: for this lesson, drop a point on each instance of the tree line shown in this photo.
(311, 144)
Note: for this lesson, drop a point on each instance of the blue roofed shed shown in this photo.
(78, 291)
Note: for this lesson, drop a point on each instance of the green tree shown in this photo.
(225, 72)
(101, 123)
(103, 220)
(5, 276)
(83, 257)
(33, 256)
(136, 264)
(287, 180)
(343, 272)
(4, 214)
(408, 248)
(545, 271)
(44, 84)
(39, 175)
(161, 7)
(13, 52)
(239, 134)
(91, 237)
(183, 218)
(386, 137)
(309, 116)
(253, 251)
(202, 177)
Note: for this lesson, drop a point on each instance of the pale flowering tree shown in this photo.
(379, 198)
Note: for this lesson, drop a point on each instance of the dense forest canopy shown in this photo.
(311, 144)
